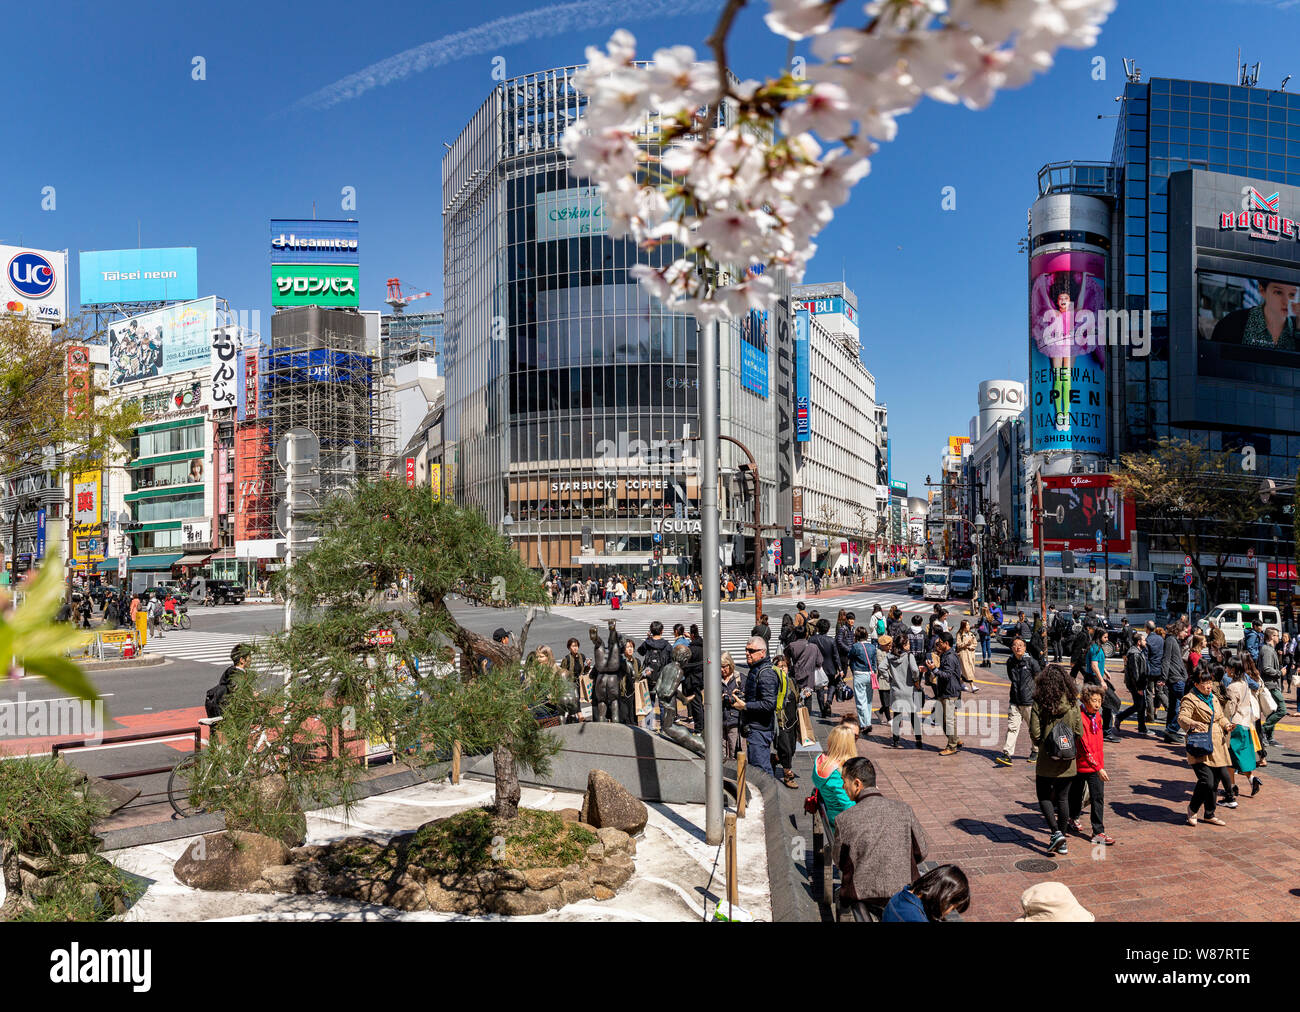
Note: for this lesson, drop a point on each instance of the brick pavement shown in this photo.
(985, 818)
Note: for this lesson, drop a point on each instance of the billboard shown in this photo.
(78, 375)
(833, 305)
(254, 505)
(1073, 508)
(1246, 319)
(315, 285)
(802, 377)
(35, 283)
(561, 214)
(314, 241)
(139, 275)
(221, 376)
(1067, 361)
(246, 385)
(165, 341)
(753, 351)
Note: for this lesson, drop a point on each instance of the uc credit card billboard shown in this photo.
(35, 283)
(314, 241)
(139, 275)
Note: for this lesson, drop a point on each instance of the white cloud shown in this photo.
(497, 34)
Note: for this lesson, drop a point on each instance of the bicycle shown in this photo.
(176, 620)
(180, 780)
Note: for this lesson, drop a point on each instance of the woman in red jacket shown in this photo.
(1091, 766)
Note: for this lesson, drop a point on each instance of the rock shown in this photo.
(282, 878)
(38, 888)
(596, 852)
(528, 902)
(570, 814)
(311, 878)
(601, 892)
(614, 871)
(409, 896)
(607, 803)
(539, 879)
(231, 861)
(572, 890)
(35, 864)
(616, 840)
(304, 855)
(573, 872)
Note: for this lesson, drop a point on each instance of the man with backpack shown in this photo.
(214, 701)
(1060, 631)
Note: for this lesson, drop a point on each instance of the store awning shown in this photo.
(194, 560)
(140, 562)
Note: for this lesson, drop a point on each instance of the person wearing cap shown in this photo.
(500, 636)
(1051, 901)
(215, 700)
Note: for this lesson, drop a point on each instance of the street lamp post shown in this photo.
(758, 528)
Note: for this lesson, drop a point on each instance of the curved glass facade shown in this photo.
(566, 381)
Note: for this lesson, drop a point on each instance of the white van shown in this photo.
(1233, 619)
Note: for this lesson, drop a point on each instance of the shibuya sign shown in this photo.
(675, 525)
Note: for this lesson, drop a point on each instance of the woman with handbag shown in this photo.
(985, 631)
(863, 676)
(841, 745)
(1054, 727)
(1202, 719)
(966, 655)
(1240, 708)
(902, 677)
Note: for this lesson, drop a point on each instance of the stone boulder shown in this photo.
(232, 861)
(607, 804)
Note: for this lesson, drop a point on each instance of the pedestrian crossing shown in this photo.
(196, 645)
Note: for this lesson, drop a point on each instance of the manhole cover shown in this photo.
(1036, 865)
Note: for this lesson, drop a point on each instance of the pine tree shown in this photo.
(328, 680)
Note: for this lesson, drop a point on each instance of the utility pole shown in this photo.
(710, 591)
(1042, 545)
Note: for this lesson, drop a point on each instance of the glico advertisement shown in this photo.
(1075, 508)
(1067, 358)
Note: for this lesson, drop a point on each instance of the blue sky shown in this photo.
(103, 107)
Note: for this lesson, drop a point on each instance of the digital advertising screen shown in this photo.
(1067, 358)
(753, 351)
(139, 275)
(1247, 319)
(1074, 513)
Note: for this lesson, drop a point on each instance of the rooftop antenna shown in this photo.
(1284, 81)
(1132, 71)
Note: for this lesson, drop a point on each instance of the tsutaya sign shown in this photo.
(1261, 218)
(675, 525)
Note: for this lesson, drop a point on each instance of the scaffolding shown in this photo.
(316, 373)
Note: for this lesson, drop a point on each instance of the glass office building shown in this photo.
(569, 388)
(1204, 187)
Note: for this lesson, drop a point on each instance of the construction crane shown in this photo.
(399, 301)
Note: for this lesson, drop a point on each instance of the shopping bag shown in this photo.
(1267, 704)
(806, 734)
(584, 688)
(642, 697)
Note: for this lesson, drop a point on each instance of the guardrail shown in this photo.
(120, 739)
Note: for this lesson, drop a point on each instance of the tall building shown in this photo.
(839, 463)
(570, 389)
(1187, 240)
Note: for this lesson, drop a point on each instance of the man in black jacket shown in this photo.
(947, 690)
(1135, 680)
(1022, 669)
(215, 700)
(758, 708)
(829, 664)
(693, 682)
(1173, 669)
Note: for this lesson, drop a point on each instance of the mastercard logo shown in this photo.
(15, 307)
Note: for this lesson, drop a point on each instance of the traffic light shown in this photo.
(1067, 561)
(1092, 565)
